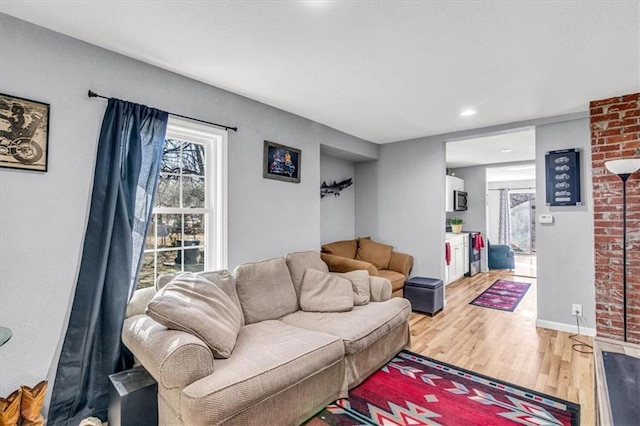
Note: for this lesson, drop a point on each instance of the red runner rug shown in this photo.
(503, 295)
(415, 390)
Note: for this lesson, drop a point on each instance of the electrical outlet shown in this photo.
(576, 310)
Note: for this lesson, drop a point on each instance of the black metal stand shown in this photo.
(624, 178)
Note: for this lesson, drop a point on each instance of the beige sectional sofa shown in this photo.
(286, 363)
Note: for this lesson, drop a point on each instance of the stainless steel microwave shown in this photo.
(459, 201)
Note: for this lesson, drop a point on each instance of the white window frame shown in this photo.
(215, 143)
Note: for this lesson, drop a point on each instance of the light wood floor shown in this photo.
(506, 345)
(525, 265)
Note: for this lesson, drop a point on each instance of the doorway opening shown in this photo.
(488, 163)
(511, 213)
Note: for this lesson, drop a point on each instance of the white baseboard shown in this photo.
(567, 328)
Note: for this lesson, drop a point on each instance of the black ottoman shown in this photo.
(425, 294)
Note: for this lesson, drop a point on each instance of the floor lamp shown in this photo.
(624, 168)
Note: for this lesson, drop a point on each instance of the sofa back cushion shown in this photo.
(325, 292)
(345, 248)
(265, 290)
(375, 253)
(301, 261)
(197, 306)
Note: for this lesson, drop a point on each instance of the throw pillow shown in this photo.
(359, 284)
(195, 305)
(375, 253)
(222, 278)
(324, 292)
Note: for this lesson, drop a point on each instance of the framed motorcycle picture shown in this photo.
(281, 162)
(24, 133)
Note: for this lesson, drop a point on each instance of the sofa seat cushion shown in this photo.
(396, 278)
(269, 357)
(358, 328)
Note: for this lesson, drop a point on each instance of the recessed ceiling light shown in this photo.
(316, 3)
(468, 113)
(506, 150)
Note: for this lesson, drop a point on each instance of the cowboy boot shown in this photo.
(10, 409)
(32, 400)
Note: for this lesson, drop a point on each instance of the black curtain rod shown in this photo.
(93, 94)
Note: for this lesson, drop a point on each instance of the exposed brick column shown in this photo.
(615, 134)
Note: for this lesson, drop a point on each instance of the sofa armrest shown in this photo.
(401, 262)
(138, 303)
(174, 358)
(380, 289)
(344, 264)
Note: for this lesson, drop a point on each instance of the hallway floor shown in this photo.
(526, 265)
(506, 345)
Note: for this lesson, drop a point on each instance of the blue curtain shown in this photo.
(126, 174)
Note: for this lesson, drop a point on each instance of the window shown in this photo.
(188, 230)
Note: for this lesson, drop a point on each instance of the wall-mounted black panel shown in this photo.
(563, 177)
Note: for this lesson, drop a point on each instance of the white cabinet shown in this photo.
(466, 255)
(459, 264)
(458, 260)
(453, 184)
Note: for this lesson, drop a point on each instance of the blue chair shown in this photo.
(500, 256)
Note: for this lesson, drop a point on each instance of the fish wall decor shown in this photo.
(335, 188)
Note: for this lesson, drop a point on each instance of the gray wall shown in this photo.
(43, 215)
(400, 201)
(337, 213)
(565, 248)
(475, 185)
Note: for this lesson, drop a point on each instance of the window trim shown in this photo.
(215, 142)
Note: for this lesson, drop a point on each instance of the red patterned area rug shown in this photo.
(503, 295)
(414, 390)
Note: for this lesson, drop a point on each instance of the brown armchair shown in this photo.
(378, 259)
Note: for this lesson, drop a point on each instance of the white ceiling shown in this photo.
(380, 70)
(505, 147)
(512, 173)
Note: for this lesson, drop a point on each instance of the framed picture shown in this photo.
(24, 133)
(281, 162)
(563, 177)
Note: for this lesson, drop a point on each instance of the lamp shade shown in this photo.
(624, 166)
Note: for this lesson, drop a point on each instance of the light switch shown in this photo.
(545, 218)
